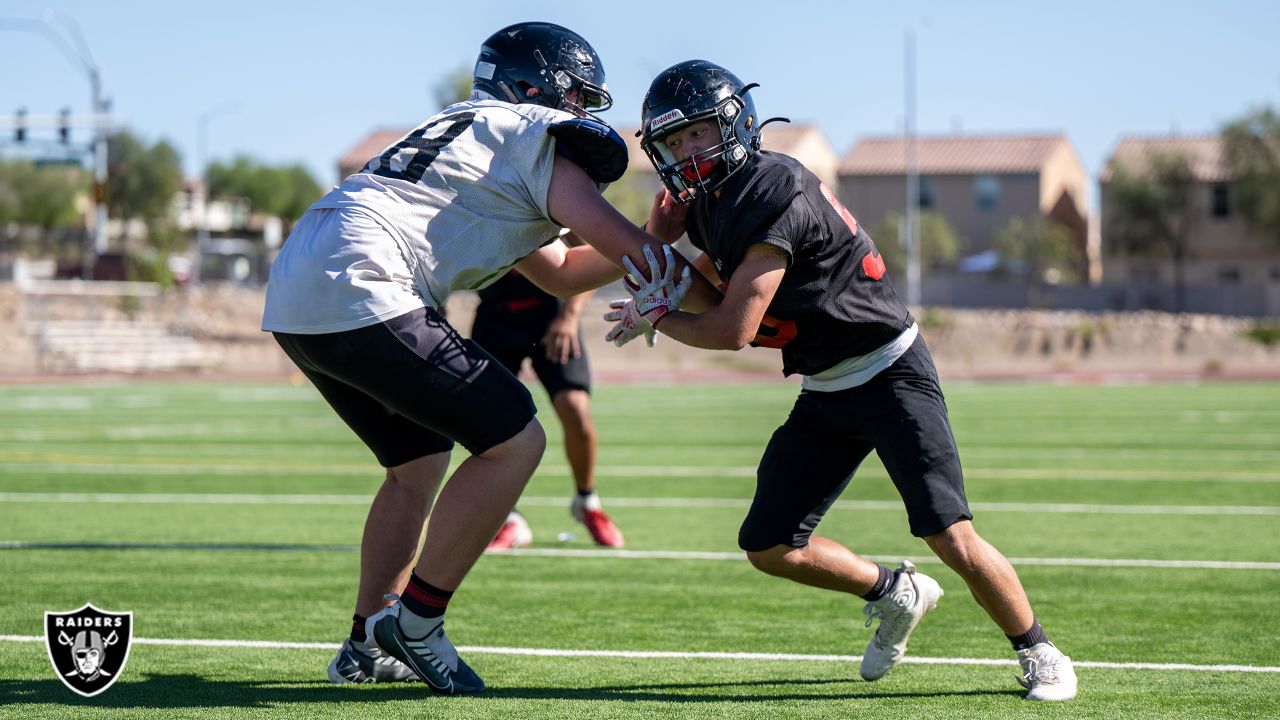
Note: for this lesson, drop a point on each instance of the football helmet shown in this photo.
(541, 63)
(690, 92)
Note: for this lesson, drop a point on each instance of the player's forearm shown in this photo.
(716, 329)
(584, 270)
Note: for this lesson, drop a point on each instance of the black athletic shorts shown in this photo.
(899, 413)
(410, 386)
(513, 331)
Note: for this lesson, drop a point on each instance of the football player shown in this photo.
(353, 300)
(516, 320)
(802, 275)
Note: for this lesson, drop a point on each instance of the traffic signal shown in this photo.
(20, 125)
(64, 126)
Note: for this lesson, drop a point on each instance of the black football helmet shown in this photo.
(687, 93)
(540, 63)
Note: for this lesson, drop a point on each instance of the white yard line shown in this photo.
(676, 655)
(659, 502)
(37, 465)
(601, 553)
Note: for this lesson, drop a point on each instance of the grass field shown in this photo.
(1144, 520)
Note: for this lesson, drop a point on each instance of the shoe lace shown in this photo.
(875, 612)
(1040, 672)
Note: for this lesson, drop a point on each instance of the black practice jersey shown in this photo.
(835, 289)
(514, 288)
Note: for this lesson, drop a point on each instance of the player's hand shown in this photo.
(628, 323)
(656, 292)
(561, 340)
(666, 217)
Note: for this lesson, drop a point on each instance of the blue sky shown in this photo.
(301, 82)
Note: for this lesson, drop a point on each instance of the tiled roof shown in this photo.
(779, 137)
(1204, 152)
(372, 144)
(953, 154)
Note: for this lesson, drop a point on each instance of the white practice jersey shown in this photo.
(451, 206)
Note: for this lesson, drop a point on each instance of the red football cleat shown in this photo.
(514, 533)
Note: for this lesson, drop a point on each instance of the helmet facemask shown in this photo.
(542, 64)
(706, 170)
(592, 98)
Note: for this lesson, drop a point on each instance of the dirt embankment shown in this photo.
(966, 343)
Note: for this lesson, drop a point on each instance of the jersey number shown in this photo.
(872, 263)
(419, 151)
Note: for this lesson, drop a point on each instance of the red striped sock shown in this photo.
(424, 599)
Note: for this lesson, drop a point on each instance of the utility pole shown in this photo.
(80, 56)
(202, 232)
(910, 225)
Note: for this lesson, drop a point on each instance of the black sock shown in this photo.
(424, 599)
(1034, 636)
(883, 584)
(584, 493)
(357, 629)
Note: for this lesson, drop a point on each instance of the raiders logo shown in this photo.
(88, 647)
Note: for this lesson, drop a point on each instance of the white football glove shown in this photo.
(654, 295)
(628, 324)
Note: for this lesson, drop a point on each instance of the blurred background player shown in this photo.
(353, 298)
(516, 320)
(797, 264)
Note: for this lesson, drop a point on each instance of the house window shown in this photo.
(1219, 201)
(986, 192)
(928, 193)
(1229, 275)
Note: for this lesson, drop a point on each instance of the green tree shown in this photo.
(453, 87)
(1251, 147)
(633, 195)
(1040, 250)
(285, 191)
(939, 244)
(143, 180)
(41, 196)
(1149, 212)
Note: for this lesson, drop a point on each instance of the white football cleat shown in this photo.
(913, 594)
(1047, 673)
(365, 662)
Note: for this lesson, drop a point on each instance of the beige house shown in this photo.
(804, 142)
(978, 182)
(1221, 249)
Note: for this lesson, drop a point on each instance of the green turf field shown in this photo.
(1144, 521)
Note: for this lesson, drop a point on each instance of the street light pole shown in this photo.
(100, 105)
(910, 228)
(202, 222)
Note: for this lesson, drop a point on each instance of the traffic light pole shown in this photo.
(79, 55)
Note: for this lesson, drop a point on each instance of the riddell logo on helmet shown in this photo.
(665, 118)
